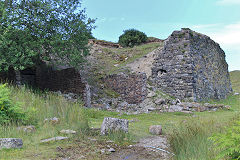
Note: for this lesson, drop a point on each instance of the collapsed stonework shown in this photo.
(66, 80)
(44, 77)
(132, 87)
(191, 66)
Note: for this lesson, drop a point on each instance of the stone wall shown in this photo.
(132, 87)
(46, 78)
(192, 66)
(8, 76)
(65, 80)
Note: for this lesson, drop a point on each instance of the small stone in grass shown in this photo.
(155, 129)
(68, 131)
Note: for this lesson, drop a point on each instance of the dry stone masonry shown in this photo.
(66, 80)
(192, 66)
(132, 87)
(46, 77)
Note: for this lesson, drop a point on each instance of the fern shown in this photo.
(9, 112)
(228, 143)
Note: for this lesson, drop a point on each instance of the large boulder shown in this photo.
(10, 143)
(114, 124)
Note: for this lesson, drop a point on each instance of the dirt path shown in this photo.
(150, 148)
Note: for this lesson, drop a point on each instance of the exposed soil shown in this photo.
(145, 63)
(150, 148)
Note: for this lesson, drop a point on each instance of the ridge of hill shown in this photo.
(235, 79)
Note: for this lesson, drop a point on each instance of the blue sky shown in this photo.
(219, 19)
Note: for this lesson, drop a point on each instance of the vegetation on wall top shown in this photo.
(132, 37)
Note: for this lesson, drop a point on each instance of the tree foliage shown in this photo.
(132, 37)
(34, 30)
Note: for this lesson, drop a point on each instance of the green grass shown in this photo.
(235, 79)
(187, 134)
(44, 106)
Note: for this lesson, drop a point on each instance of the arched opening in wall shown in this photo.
(161, 72)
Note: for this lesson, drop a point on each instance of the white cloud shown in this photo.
(228, 2)
(201, 26)
(110, 19)
(227, 35)
(228, 38)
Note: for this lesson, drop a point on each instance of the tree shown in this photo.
(132, 37)
(35, 30)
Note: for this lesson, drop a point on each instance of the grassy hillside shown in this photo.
(235, 79)
(109, 60)
(188, 133)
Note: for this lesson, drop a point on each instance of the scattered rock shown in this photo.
(175, 108)
(53, 139)
(68, 131)
(151, 94)
(160, 101)
(188, 112)
(236, 94)
(114, 124)
(10, 143)
(92, 139)
(155, 129)
(227, 107)
(53, 120)
(111, 150)
(134, 120)
(95, 129)
(152, 109)
(102, 151)
(175, 102)
(27, 129)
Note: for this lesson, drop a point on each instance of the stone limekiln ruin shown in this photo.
(191, 66)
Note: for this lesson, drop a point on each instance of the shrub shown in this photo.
(228, 143)
(131, 38)
(9, 111)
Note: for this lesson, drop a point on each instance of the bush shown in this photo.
(9, 111)
(228, 143)
(131, 38)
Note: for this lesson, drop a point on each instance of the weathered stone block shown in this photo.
(114, 124)
(10, 143)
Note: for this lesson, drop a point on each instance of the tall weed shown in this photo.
(189, 139)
